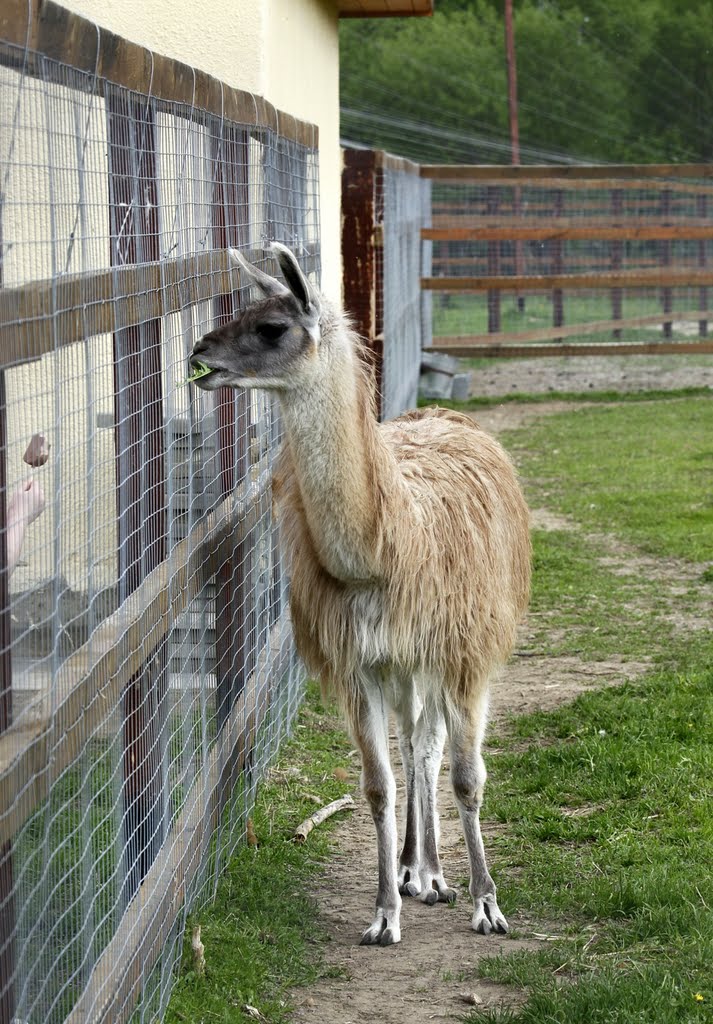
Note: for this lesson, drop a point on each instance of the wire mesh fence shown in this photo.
(605, 254)
(148, 669)
(403, 204)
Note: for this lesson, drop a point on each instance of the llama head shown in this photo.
(275, 342)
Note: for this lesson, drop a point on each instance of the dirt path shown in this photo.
(423, 979)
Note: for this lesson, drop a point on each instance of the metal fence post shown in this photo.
(359, 269)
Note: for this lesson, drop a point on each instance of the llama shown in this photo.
(409, 552)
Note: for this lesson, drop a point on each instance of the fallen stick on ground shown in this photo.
(198, 950)
(303, 830)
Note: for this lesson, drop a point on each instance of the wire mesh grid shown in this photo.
(148, 670)
(403, 208)
(614, 230)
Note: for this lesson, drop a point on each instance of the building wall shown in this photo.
(284, 50)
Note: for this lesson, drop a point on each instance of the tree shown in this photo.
(597, 81)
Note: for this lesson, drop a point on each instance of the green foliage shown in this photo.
(596, 80)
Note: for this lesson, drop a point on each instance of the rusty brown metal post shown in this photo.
(360, 269)
(514, 120)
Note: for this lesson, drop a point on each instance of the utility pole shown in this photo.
(512, 84)
(514, 129)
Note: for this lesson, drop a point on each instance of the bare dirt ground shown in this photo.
(593, 373)
(426, 976)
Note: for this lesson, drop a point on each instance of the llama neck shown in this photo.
(339, 459)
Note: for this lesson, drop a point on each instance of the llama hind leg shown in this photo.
(429, 738)
(370, 730)
(407, 707)
(468, 776)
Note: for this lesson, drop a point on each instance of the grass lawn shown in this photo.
(607, 802)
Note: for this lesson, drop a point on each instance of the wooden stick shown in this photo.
(342, 804)
(198, 951)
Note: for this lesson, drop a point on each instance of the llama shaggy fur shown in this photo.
(409, 552)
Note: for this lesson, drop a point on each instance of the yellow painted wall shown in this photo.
(284, 50)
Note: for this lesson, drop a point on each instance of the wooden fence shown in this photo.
(639, 234)
(171, 682)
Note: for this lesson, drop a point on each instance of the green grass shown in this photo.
(622, 882)
(643, 470)
(260, 935)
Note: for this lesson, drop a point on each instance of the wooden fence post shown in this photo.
(666, 251)
(492, 204)
(234, 616)
(140, 469)
(616, 256)
(7, 897)
(702, 213)
(558, 264)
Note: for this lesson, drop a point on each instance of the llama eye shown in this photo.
(271, 332)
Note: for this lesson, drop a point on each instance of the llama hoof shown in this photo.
(389, 936)
(408, 881)
(380, 933)
(435, 890)
(488, 918)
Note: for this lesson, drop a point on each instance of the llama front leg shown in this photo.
(429, 738)
(370, 729)
(468, 776)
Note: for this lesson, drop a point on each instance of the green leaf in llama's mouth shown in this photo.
(201, 370)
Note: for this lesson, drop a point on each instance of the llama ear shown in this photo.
(269, 286)
(298, 283)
